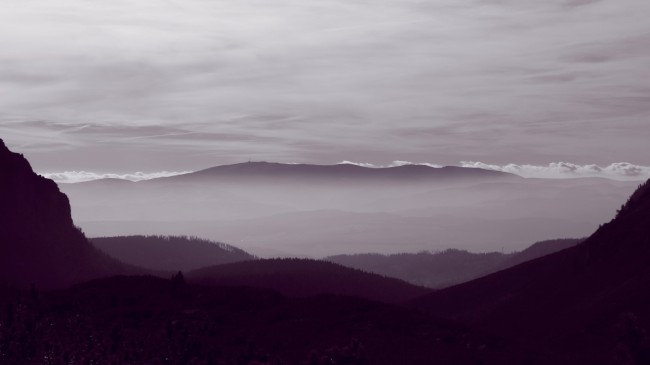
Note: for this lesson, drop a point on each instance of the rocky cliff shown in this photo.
(39, 243)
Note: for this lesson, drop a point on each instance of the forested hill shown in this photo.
(170, 253)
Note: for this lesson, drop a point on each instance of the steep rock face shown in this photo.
(39, 243)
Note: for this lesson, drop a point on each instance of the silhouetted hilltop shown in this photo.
(302, 277)
(38, 241)
(587, 304)
(446, 268)
(339, 173)
(169, 253)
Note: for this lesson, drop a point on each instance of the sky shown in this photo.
(140, 88)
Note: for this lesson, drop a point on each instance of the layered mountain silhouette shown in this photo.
(39, 243)
(588, 304)
(169, 253)
(304, 278)
(449, 267)
(585, 304)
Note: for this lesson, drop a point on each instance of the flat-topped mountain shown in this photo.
(39, 244)
(340, 173)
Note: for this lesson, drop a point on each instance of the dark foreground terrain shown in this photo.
(148, 320)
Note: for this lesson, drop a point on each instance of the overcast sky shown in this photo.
(175, 85)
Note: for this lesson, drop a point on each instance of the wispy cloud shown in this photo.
(561, 170)
(83, 176)
(554, 170)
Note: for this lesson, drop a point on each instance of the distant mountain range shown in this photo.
(449, 267)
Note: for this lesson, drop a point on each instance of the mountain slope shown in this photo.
(586, 304)
(302, 278)
(169, 253)
(39, 243)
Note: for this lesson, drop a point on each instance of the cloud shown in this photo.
(82, 176)
(361, 164)
(392, 164)
(560, 170)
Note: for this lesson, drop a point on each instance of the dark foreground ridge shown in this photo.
(39, 243)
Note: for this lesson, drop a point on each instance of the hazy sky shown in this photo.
(150, 85)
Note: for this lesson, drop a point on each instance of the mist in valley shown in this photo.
(343, 210)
